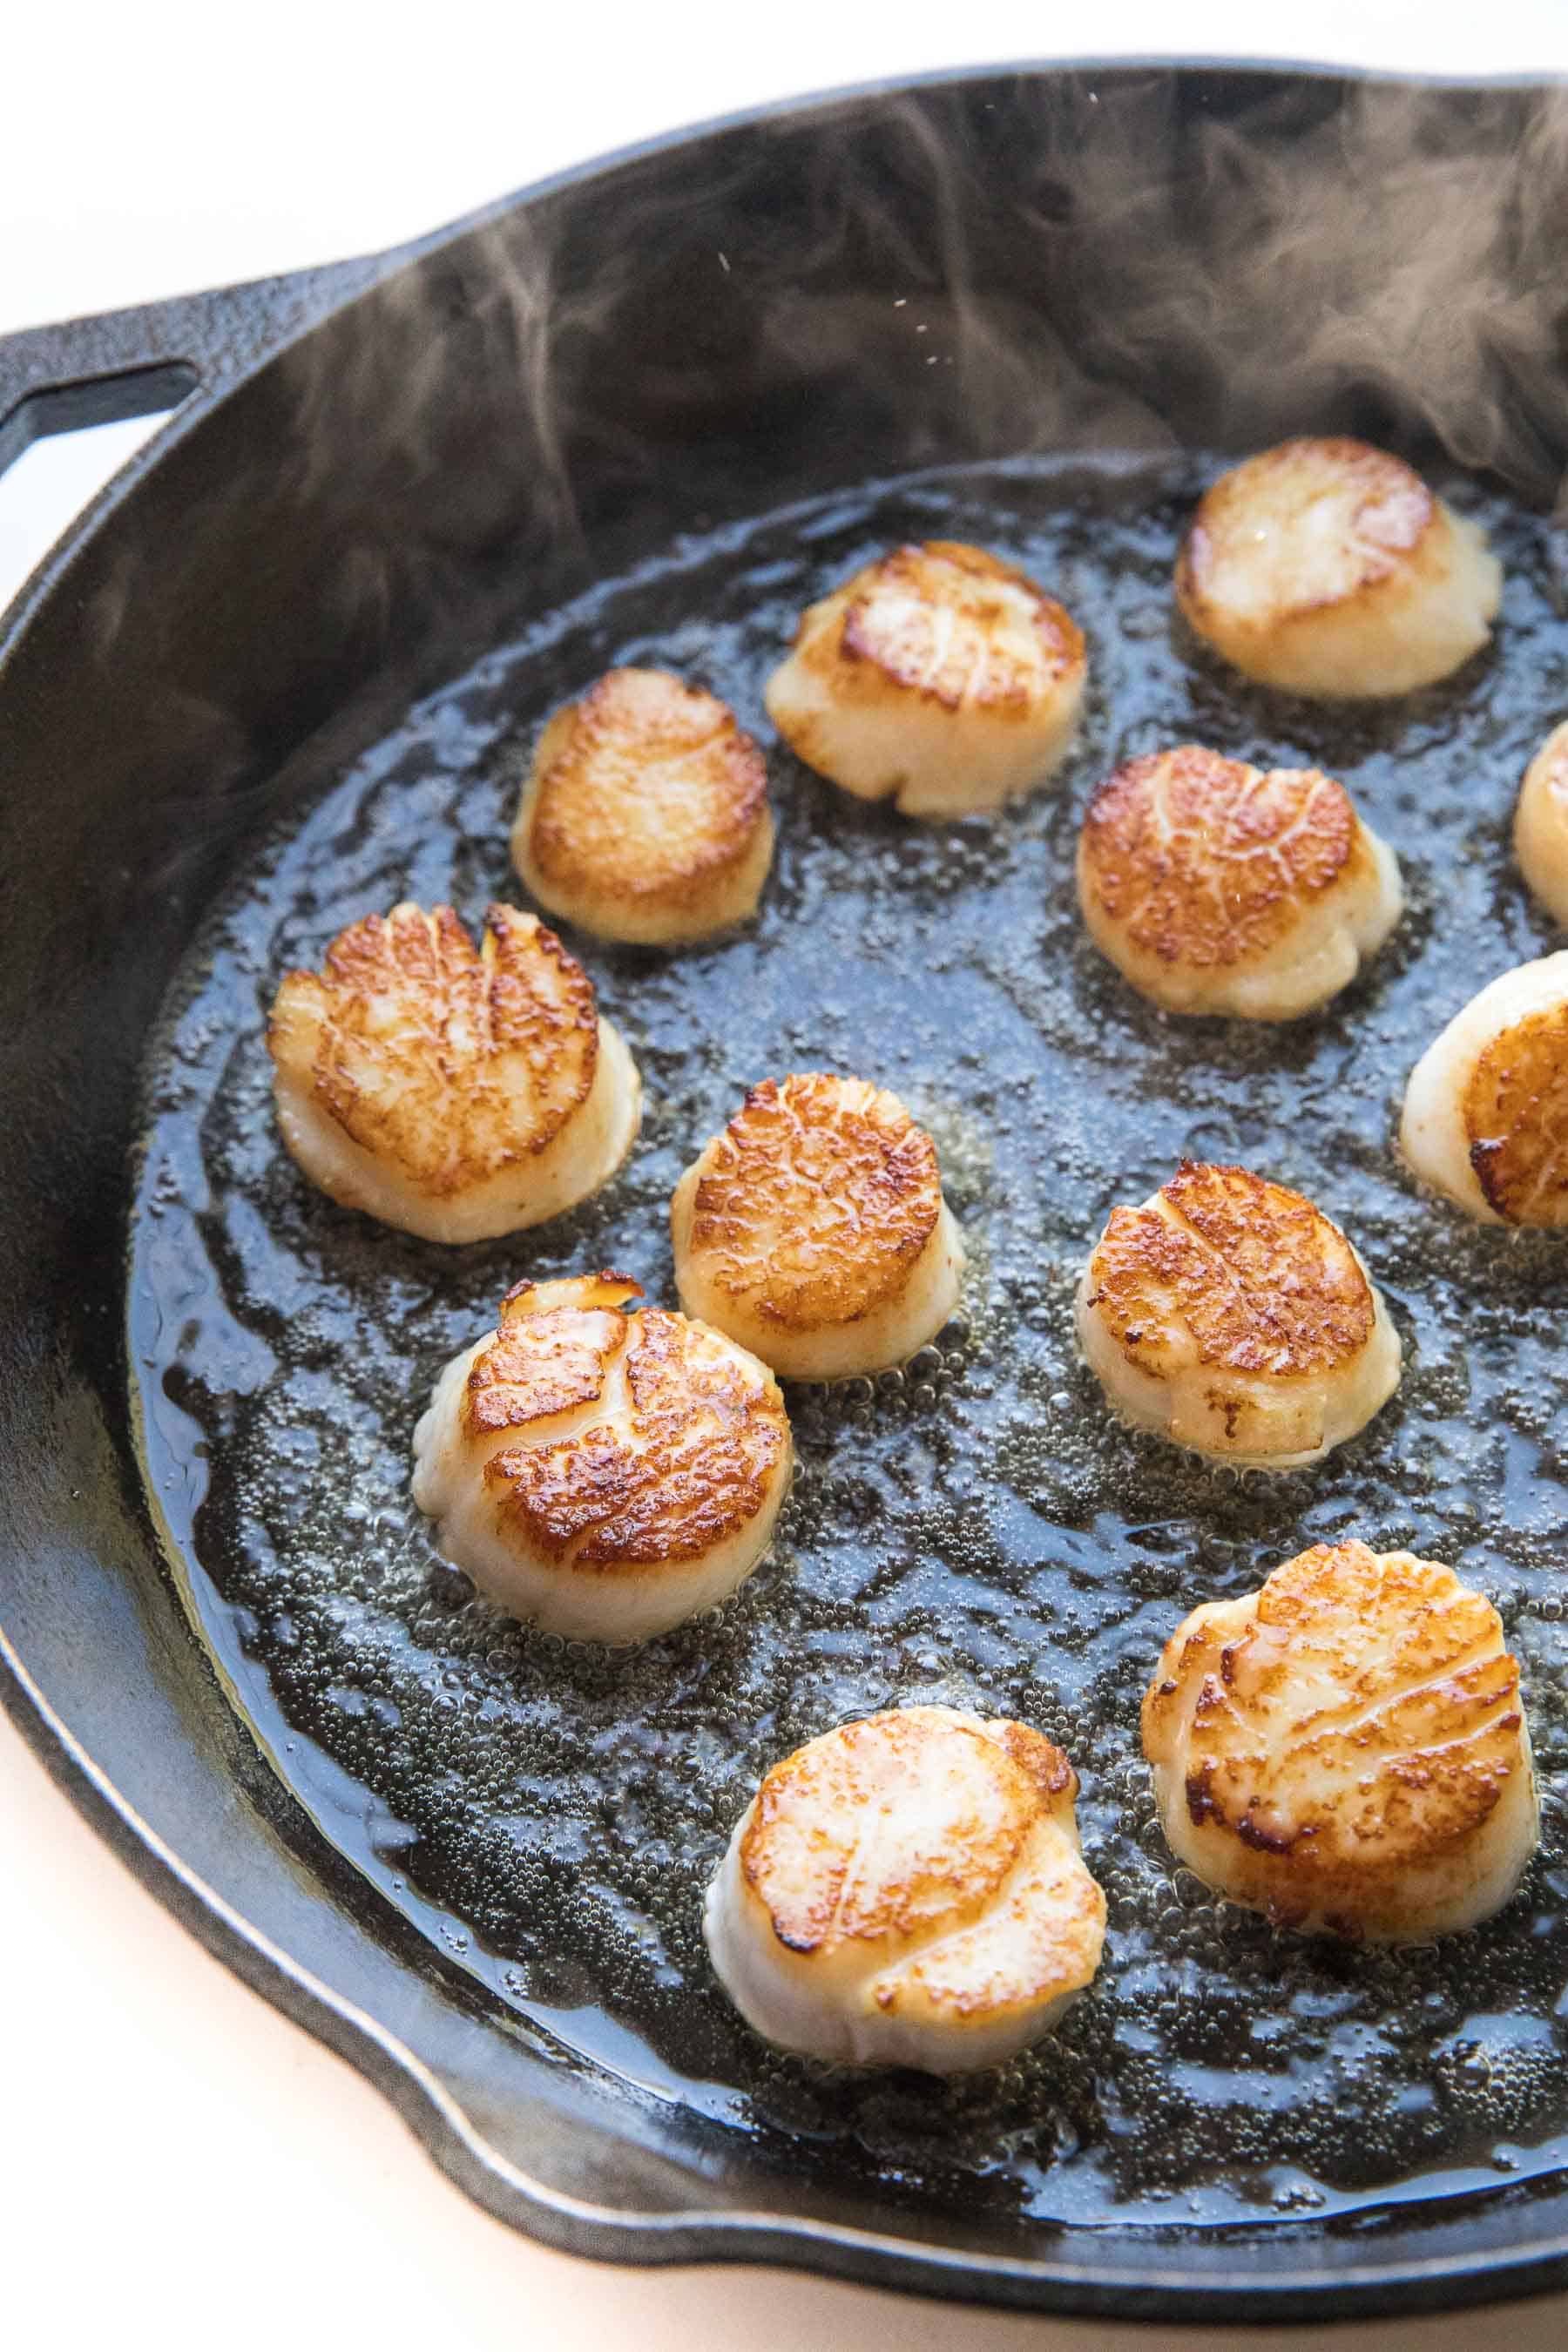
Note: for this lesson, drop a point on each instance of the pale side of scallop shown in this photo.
(812, 1230)
(937, 676)
(1541, 824)
(1486, 1109)
(909, 1891)
(1215, 887)
(601, 1474)
(452, 1092)
(646, 816)
(1229, 1314)
(1328, 568)
(1346, 1748)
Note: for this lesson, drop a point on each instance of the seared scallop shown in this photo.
(937, 676)
(1346, 1748)
(812, 1230)
(1541, 824)
(1215, 887)
(909, 1891)
(455, 1093)
(646, 816)
(1229, 1314)
(1325, 567)
(1486, 1110)
(601, 1474)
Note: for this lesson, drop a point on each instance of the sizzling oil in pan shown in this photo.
(976, 1529)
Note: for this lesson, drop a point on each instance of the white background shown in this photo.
(175, 2161)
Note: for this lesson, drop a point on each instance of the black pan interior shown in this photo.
(524, 1830)
(977, 1530)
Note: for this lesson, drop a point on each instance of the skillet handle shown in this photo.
(138, 362)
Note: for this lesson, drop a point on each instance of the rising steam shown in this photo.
(1060, 261)
(1103, 258)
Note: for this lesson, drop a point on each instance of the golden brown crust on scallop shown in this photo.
(1364, 1719)
(1540, 823)
(646, 793)
(550, 1353)
(1206, 862)
(667, 1438)
(1057, 1927)
(1516, 1119)
(908, 1890)
(960, 1807)
(451, 1064)
(587, 1291)
(946, 622)
(1258, 1278)
(1549, 766)
(1388, 509)
(1039, 1760)
(816, 1200)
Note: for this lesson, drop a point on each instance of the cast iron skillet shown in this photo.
(377, 467)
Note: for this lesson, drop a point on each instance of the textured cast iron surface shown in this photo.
(976, 1529)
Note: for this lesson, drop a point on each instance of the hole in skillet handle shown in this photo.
(77, 402)
(140, 392)
(81, 375)
(52, 466)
